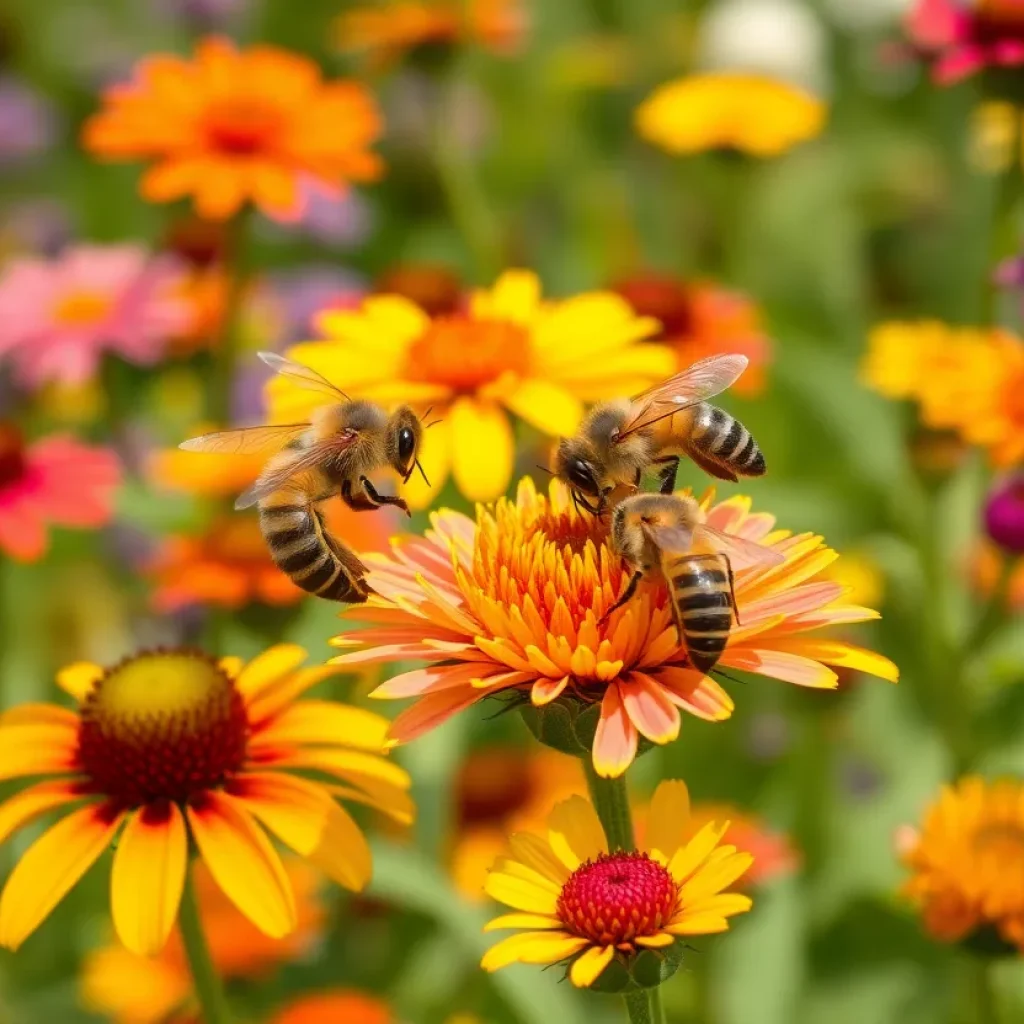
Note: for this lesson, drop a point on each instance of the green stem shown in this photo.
(1003, 234)
(611, 801)
(657, 1010)
(638, 1007)
(228, 344)
(983, 992)
(208, 989)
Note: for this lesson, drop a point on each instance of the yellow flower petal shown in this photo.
(659, 941)
(724, 904)
(587, 967)
(483, 450)
(532, 948)
(21, 808)
(536, 853)
(520, 894)
(268, 668)
(514, 297)
(575, 833)
(79, 678)
(838, 652)
(668, 819)
(294, 809)
(343, 854)
(699, 924)
(545, 405)
(435, 457)
(321, 721)
(690, 857)
(148, 876)
(711, 879)
(533, 921)
(50, 867)
(243, 863)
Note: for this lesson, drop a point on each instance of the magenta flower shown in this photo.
(1004, 514)
(964, 38)
(56, 480)
(57, 317)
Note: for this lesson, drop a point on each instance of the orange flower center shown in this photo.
(163, 725)
(662, 297)
(465, 354)
(12, 455)
(1002, 843)
(241, 126)
(82, 308)
(618, 897)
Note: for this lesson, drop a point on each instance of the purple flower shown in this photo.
(1004, 514)
(304, 291)
(27, 121)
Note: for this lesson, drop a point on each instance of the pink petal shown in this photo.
(616, 738)
(698, 694)
(793, 601)
(431, 711)
(649, 708)
(933, 24)
(429, 680)
(1007, 52)
(959, 63)
(790, 668)
(545, 690)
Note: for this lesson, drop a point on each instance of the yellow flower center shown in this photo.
(465, 354)
(241, 126)
(162, 725)
(82, 308)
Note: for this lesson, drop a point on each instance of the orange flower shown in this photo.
(213, 476)
(340, 1006)
(134, 989)
(386, 31)
(231, 127)
(702, 319)
(516, 600)
(986, 565)
(967, 861)
(169, 749)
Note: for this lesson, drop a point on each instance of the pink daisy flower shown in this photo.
(55, 480)
(964, 37)
(57, 317)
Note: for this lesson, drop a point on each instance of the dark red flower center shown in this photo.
(12, 455)
(241, 127)
(163, 725)
(999, 19)
(618, 897)
(662, 297)
(435, 289)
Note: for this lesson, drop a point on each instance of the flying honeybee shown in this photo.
(664, 535)
(332, 453)
(620, 440)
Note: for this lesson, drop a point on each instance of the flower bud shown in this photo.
(1004, 514)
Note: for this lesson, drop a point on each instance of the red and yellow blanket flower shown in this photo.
(755, 115)
(134, 989)
(969, 380)
(515, 601)
(509, 351)
(577, 900)
(172, 746)
(967, 859)
(230, 127)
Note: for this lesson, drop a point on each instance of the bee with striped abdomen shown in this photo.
(664, 535)
(332, 454)
(622, 439)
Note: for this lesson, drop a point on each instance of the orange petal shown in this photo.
(616, 738)
(293, 809)
(431, 711)
(790, 668)
(148, 877)
(21, 808)
(51, 866)
(243, 863)
(837, 652)
(649, 708)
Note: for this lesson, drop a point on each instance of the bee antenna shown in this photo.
(430, 409)
(432, 423)
(544, 469)
(422, 474)
(732, 679)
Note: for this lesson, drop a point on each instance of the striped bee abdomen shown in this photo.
(700, 589)
(720, 439)
(302, 548)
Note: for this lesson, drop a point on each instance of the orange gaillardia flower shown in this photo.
(515, 602)
(701, 319)
(578, 899)
(231, 127)
(965, 379)
(337, 1006)
(510, 351)
(387, 31)
(967, 861)
(170, 745)
(135, 989)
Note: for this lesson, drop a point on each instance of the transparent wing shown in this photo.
(303, 461)
(302, 375)
(245, 441)
(704, 379)
(743, 554)
(669, 540)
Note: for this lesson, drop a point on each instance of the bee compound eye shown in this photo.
(582, 476)
(406, 444)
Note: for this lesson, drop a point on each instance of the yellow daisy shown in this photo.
(576, 899)
(169, 749)
(509, 351)
(720, 110)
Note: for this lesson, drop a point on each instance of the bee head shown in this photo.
(405, 433)
(574, 465)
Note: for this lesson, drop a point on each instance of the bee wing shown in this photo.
(246, 440)
(704, 379)
(303, 461)
(742, 553)
(302, 375)
(669, 540)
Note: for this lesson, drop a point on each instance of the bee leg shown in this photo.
(581, 502)
(732, 590)
(383, 499)
(626, 594)
(668, 475)
(356, 502)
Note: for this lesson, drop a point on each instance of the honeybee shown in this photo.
(332, 453)
(620, 440)
(665, 535)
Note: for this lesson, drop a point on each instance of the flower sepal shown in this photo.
(986, 943)
(633, 972)
(568, 725)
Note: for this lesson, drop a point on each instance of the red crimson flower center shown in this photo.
(664, 298)
(162, 725)
(12, 455)
(466, 353)
(618, 897)
(241, 126)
